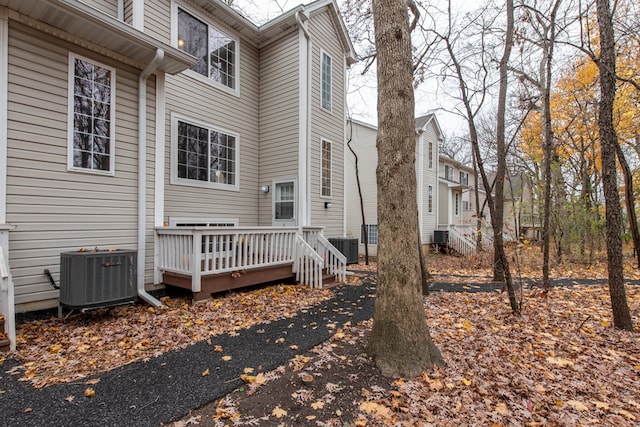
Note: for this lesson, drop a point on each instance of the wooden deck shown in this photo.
(213, 259)
(211, 284)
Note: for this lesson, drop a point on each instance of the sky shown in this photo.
(361, 92)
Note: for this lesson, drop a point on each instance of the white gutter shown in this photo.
(142, 174)
(305, 131)
(121, 10)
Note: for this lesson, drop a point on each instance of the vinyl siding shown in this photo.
(363, 142)
(279, 118)
(55, 210)
(157, 19)
(443, 206)
(192, 98)
(110, 7)
(430, 178)
(327, 125)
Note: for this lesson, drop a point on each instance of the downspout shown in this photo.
(305, 151)
(142, 174)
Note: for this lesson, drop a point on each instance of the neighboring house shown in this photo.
(445, 189)
(521, 218)
(361, 137)
(129, 123)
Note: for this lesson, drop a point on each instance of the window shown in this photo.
(203, 155)
(448, 173)
(457, 205)
(430, 199)
(284, 201)
(464, 178)
(372, 233)
(465, 206)
(325, 167)
(91, 116)
(215, 50)
(430, 154)
(325, 78)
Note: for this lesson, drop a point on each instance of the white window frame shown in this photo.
(456, 204)
(430, 199)
(176, 180)
(288, 222)
(430, 154)
(322, 142)
(175, 5)
(324, 54)
(369, 228)
(71, 114)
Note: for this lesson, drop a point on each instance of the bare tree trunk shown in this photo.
(400, 341)
(608, 142)
(364, 231)
(545, 86)
(630, 202)
(501, 265)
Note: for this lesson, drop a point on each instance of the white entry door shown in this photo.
(284, 203)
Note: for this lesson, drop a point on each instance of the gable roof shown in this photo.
(423, 121)
(271, 30)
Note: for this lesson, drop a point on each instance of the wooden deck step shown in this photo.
(329, 280)
(4, 341)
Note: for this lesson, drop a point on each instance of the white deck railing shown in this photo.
(308, 264)
(7, 300)
(460, 243)
(202, 251)
(335, 262)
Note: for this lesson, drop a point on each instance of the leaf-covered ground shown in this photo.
(64, 350)
(560, 363)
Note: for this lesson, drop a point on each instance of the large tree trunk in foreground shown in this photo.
(400, 340)
(609, 142)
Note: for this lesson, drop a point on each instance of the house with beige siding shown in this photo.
(445, 191)
(361, 138)
(175, 130)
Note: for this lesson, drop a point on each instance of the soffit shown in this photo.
(86, 23)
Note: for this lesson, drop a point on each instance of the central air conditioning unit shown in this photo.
(94, 279)
(348, 247)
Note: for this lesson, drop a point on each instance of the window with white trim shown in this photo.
(91, 115)
(217, 52)
(448, 173)
(430, 154)
(284, 200)
(203, 155)
(457, 204)
(464, 178)
(325, 80)
(430, 199)
(325, 169)
(372, 233)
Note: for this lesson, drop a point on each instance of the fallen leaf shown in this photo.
(218, 349)
(69, 398)
(318, 405)
(627, 414)
(93, 381)
(578, 405)
(558, 361)
(205, 372)
(89, 392)
(601, 405)
(278, 412)
(226, 358)
(501, 408)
